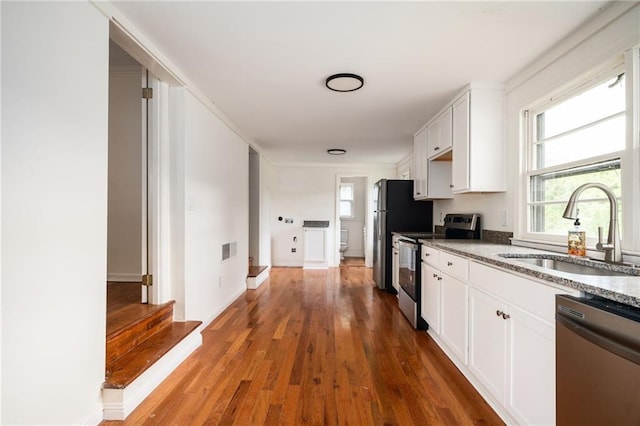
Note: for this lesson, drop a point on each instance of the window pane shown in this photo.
(591, 213)
(607, 136)
(550, 193)
(346, 192)
(345, 209)
(558, 186)
(593, 105)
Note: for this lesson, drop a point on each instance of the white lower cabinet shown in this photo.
(498, 328)
(488, 344)
(531, 395)
(430, 302)
(512, 342)
(453, 328)
(315, 248)
(512, 353)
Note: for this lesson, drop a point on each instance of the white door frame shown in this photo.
(159, 194)
(368, 218)
(158, 157)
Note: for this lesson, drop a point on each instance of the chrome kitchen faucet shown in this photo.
(612, 248)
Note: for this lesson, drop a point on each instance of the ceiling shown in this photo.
(264, 64)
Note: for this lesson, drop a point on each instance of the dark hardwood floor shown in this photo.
(352, 261)
(315, 347)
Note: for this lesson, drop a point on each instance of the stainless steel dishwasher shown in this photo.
(597, 362)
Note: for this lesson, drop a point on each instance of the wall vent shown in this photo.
(229, 250)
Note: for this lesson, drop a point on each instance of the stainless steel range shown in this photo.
(456, 226)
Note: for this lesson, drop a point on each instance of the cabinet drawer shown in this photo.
(430, 255)
(532, 296)
(455, 266)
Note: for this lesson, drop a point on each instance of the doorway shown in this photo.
(352, 220)
(127, 223)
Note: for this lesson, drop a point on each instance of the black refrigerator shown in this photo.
(395, 210)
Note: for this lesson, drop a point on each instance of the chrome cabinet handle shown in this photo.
(449, 264)
(435, 275)
(436, 148)
(439, 278)
(498, 313)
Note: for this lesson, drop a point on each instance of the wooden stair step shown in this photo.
(254, 271)
(125, 369)
(125, 333)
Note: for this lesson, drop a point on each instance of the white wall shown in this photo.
(212, 174)
(265, 213)
(125, 212)
(254, 206)
(54, 211)
(405, 167)
(356, 241)
(307, 192)
(589, 47)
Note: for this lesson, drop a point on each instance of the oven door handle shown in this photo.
(596, 338)
(412, 246)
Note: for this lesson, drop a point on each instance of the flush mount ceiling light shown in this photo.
(336, 151)
(344, 82)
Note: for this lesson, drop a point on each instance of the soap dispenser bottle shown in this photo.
(577, 241)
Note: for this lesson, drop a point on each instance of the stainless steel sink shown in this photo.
(573, 265)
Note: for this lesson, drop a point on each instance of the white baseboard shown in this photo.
(354, 254)
(124, 278)
(119, 403)
(315, 264)
(94, 420)
(254, 282)
(287, 264)
(228, 302)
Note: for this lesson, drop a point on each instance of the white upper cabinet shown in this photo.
(440, 134)
(463, 148)
(478, 140)
(420, 165)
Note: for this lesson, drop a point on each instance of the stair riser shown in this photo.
(126, 340)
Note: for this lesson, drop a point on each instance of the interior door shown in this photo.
(147, 277)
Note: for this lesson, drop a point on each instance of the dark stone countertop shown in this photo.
(315, 224)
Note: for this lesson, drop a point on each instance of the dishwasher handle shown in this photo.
(604, 342)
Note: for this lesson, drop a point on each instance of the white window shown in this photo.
(576, 137)
(346, 201)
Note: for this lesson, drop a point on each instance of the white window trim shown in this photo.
(350, 201)
(629, 158)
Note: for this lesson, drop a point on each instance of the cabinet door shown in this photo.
(453, 326)
(460, 137)
(439, 180)
(488, 342)
(315, 247)
(430, 302)
(433, 147)
(440, 134)
(419, 165)
(446, 129)
(532, 395)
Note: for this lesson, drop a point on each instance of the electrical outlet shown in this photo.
(293, 250)
(504, 218)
